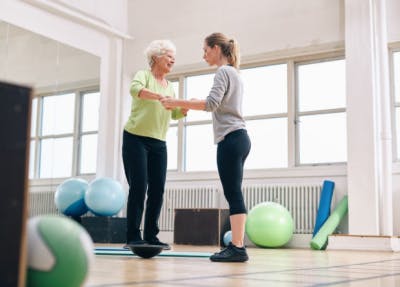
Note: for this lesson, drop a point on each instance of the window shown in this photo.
(321, 112)
(172, 137)
(64, 134)
(88, 132)
(265, 112)
(396, 77)
(295, 113)
(199, 140)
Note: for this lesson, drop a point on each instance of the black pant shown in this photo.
(145, 164)
(232, 152)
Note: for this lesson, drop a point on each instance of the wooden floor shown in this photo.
(266, 267)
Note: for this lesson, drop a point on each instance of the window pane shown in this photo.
(56, 157)
(32, 159)
(398, 131)
(200, 149)
(321, 85)
(198, 87)
(90, 112)
(269, 143)
(172, 147)
(33, 117)
(175, 85)
(58, 114)
(265, 90)
(322, 138)
(396, 64)
(88, 154)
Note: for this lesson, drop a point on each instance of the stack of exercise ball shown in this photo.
(103, 197)
(70, 197)
(269, 224)
(60, 252)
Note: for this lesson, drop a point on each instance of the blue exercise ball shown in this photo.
(70, 197)
(105, 197)
(227, 237)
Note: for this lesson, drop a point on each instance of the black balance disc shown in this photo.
(145, 250)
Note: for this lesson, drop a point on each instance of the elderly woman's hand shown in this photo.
(168, 102)
(184, 111)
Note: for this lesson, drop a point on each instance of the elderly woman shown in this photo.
(144, 150)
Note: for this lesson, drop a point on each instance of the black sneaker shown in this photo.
(230, 254)
(165, 246)
(134, 242)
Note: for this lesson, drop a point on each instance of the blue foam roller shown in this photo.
(324, 208)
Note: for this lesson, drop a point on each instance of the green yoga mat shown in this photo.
(126, 252)
(321, 238)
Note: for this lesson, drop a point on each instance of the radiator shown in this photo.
(42, 202)
(186, 197)
(301, 201)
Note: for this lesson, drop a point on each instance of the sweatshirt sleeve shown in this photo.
(138, 83)
(218, 90)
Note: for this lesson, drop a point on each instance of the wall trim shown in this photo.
(68, 12)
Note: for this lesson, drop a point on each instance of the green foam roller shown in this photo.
(321, 238)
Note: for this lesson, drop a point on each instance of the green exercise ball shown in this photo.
(60, 252)
(269, 224)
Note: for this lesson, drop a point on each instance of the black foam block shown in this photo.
(200, 226)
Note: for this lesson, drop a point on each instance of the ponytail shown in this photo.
(229, 47)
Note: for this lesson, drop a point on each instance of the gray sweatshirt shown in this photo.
(225, 102)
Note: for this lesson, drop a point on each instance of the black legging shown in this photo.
(145, 164)
(232, 152)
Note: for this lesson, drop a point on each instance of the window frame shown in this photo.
(393, 49)
(76, 133)
(299, 114)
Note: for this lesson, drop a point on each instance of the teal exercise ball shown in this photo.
(227, 237)
(269, 224)
(60, 252)
(105, 196)
(69, 197)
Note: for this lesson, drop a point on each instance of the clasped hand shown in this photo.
(168, 102)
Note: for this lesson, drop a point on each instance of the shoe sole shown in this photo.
(229, 260)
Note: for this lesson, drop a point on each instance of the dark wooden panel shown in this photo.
(205, 226)
(105, 229)
(15, 109)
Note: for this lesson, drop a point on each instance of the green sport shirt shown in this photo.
(148, 117)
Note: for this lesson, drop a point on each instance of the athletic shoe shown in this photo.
(230, 254)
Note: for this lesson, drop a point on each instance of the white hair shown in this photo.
(158, 48)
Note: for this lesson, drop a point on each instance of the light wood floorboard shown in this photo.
(266, 267)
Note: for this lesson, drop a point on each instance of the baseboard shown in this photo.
(363, 242)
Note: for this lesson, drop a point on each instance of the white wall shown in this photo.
(112, 13)
(393, 10)
(259, 26)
